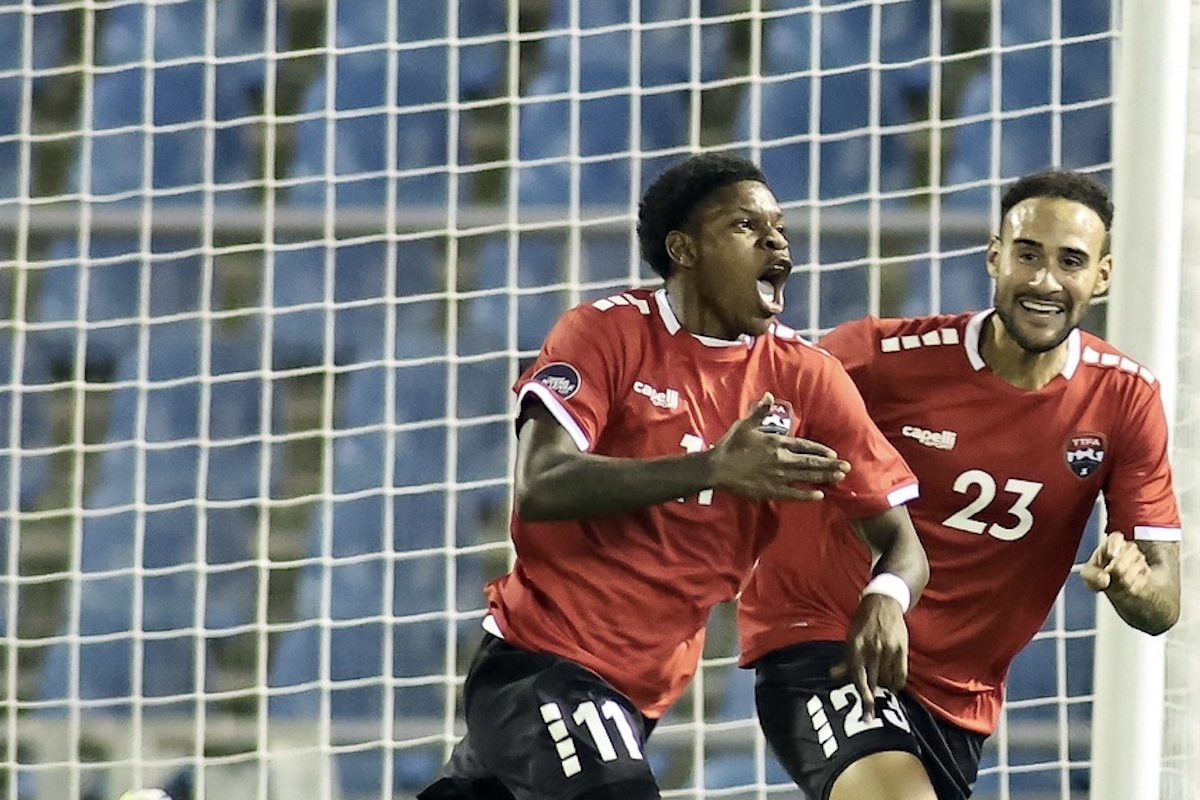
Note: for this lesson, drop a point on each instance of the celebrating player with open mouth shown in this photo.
(659, 433)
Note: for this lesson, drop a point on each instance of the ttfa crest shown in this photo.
(1085, 453)
(779, 419)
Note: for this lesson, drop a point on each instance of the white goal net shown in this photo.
(270, 268)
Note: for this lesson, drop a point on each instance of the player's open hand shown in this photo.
(876, 650)
(753, 462)
(1116, 564)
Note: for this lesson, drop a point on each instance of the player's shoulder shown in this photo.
(788, 338)
(636, 301)
(1102, 360)
(619, 312)
(888, 335)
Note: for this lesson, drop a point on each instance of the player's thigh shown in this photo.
(815, 727)
(886, 775)
(549, 729)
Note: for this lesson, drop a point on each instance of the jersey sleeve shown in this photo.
(1139, 495)
(879, 477)
(574, 374)
(854, 344)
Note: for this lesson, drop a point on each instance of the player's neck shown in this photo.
(1015, 365)
(694, 315)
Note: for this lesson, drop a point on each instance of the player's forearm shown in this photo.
(895, 543)
(1153, 609)
(588, 485)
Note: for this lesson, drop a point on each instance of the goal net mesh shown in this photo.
(270, 269)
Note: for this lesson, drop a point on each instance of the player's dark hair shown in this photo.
(669, 201)
(1078, 187)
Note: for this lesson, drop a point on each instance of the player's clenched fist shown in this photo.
(1116, 564)
(752, 462)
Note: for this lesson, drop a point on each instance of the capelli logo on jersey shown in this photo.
(1085, 453)
(668, 398)
(941, 440)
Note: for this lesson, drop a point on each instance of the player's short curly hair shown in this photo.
(669, 201)
(1078, 187)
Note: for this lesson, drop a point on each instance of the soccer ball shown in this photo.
(145, 794)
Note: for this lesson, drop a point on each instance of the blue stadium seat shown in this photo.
(1027, 138)
(1026, 80)
(348, 620)
(780, 120)
(178, 497)
(203, 145)
(1032, 697)
(735, 765)
(378, 94)
(30, 388)
(48, 32)
(612, 169)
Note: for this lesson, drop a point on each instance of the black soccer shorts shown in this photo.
(813, 723)
(540, 727)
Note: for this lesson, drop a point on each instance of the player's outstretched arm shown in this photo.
(877, 641)
(1141, 580)
(555, 480)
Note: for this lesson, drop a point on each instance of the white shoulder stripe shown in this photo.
(894, 344)
(1097, 359)
(626, 299)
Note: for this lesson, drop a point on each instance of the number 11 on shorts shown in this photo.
(590, 719)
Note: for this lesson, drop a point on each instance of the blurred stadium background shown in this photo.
(270, 267)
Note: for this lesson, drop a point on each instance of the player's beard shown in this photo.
(1013, 329)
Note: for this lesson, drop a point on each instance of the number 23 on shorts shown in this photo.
(839, 715)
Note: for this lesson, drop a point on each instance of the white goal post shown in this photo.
(270, 267)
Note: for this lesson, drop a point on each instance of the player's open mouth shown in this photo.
(770, 286)
(1041, 307)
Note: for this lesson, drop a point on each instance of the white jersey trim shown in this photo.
(975, 328)
(674, 326)
(666, 312)
(903, 494)
(552, 402)
(490, 625)
(1151, 533)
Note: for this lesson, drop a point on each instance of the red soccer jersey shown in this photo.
(628, 595)
(1008, 478)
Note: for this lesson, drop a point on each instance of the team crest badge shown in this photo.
(778, 419)
(560, 378)
(1085, 453)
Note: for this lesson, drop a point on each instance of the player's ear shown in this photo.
(1103, 274)
(681, 248)
(993, 256)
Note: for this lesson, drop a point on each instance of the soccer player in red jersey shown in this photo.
(1014, 421)
(659, 432)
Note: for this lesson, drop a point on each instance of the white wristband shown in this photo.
(891, 585)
